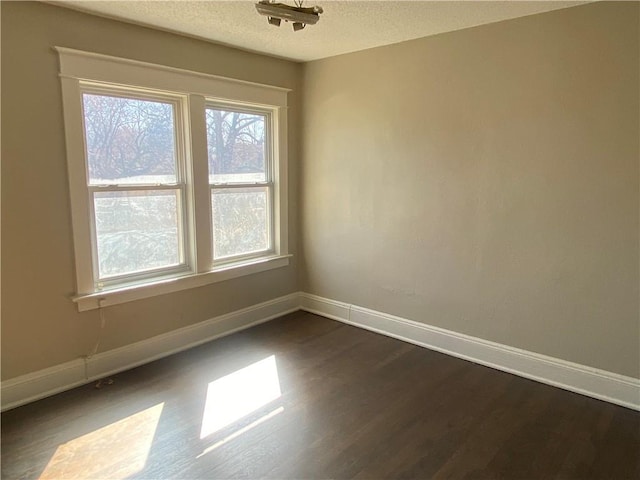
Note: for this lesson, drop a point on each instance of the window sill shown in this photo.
(117, 296)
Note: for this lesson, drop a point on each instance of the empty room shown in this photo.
(320, 239)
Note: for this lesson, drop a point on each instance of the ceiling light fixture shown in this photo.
(298, 15)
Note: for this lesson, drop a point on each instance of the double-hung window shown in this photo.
(177, 179)
(136, 185)
(241, 181)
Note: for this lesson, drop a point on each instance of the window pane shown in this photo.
(240, 221)
(137, 231)
(236, 146)
(129, 141)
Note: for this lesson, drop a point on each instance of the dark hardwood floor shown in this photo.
(307, 397)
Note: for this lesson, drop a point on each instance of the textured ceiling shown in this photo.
(345, 26)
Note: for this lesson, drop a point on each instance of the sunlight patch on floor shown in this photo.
(242, 430)
(114, 451)
(238, 394)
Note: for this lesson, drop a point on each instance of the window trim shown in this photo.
(172, 284)
(78, 68)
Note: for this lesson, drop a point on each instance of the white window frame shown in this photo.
(268, 183)
(181, 185)
(193, 92)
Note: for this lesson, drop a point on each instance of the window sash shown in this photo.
(270, 222)
(183, 265)
(131, 93)
(269, 126)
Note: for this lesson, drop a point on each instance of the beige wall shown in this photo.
(484, 181)
(40, 325)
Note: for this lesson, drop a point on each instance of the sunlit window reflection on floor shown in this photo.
(115, 451)
(238, 394)
(237, 433)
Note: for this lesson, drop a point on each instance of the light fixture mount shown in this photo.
(297, 14)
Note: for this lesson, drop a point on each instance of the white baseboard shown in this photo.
(600, 384)
(34, 386)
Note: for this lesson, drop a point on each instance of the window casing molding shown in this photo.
(192, 92)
